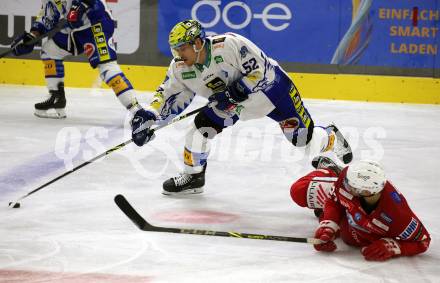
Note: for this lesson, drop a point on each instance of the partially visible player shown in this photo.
(242, 83)
(362, 207)
(89, 30)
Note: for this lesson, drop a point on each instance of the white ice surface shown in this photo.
(72, 230)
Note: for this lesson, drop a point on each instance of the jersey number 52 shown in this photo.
(250, 65)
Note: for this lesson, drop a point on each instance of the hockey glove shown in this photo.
(19, 45)
(77, 11)
(141, 132)
(228, 99)
(326, 232)
(381, 250)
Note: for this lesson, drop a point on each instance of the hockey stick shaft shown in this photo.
(142, 224)
(119, 146)
(59, 26)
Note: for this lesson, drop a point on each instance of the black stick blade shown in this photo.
(142, 224)
(131, 213)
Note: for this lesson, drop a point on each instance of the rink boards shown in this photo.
(311, 85)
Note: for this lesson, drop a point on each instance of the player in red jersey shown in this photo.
(362, 207)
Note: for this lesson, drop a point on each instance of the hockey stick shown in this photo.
(142, 224)
(16, 203)
(59, 26)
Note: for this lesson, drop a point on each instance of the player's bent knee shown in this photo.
(206, 126)
(111, 73)
(298, 192)
(108, 70)
(299, 137)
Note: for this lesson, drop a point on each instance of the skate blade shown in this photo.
(58, 113)
(184, 192)
(347, 155)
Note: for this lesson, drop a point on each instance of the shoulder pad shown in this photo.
(218, 40)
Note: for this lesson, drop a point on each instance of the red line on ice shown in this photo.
(68, 277)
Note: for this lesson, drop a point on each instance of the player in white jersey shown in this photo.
(242, 83)
(89, 30)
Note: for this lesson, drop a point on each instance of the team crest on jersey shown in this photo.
(409, 230)
(395, 196)
(218, 59)
(243, 51)
(353, 223)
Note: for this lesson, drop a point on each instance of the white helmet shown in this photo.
(366, 176)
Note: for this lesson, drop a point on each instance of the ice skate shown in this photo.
(185, 184)
(53, 106)
(341, 147)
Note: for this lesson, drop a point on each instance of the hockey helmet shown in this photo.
(365, 178)
(185, 32)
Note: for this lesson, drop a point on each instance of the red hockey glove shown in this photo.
(76, 12)
(326, 232)
(381, 250)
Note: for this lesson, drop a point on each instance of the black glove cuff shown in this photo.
(28, 36)
(236, 92)
(88, 3)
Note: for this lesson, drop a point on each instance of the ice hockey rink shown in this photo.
(72, 231)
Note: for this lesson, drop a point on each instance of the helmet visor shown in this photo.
(179, 47)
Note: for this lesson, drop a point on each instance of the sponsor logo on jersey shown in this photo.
(238, 109)
(208, 77)
(395, 196)
(119, 84)
(345, 194)
(410, 229)
(89, 49)
(50, 69)
(357, 216)
(218, 40)
(243, 51)
(312, 195)
(380, 224)
(385, 217)
(216, 85)
(218, 46)
(218, 59)
(189, 75)
(101, 42)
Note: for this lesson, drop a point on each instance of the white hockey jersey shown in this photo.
(52, 11)
(230, 57)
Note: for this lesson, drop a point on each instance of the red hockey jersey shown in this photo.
(391, 218)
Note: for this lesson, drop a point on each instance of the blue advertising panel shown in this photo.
(401, 34)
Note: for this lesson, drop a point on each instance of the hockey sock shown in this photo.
(113, 76)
